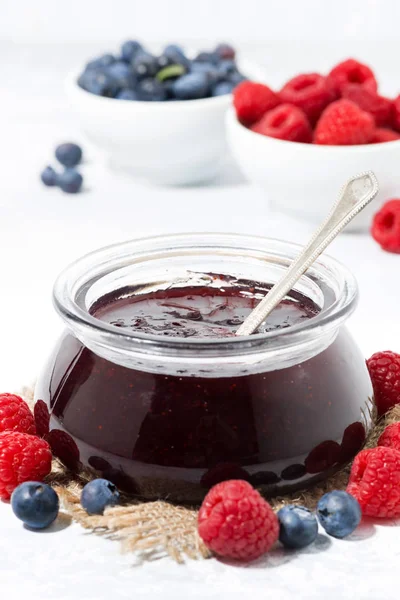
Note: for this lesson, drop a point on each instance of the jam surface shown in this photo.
(173, 436)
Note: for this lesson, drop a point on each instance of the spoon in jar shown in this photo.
(354, 197)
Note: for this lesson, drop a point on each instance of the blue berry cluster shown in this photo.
(69, 155)
(338, 513)
(136, 74)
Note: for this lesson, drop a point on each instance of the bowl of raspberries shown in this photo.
(159, 116)
(301, 142)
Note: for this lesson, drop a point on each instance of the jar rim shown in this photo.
(74, 281)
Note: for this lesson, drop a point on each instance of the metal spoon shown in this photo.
(355, 195)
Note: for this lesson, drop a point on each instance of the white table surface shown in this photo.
(41, 230)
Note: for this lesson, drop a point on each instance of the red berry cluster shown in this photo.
(23, 455)
(340, 109)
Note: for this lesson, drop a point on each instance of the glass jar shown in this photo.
(169, 417)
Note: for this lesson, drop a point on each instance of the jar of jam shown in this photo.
(150, 388)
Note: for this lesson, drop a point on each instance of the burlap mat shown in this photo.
(156, 529)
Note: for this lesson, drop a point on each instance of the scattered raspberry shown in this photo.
(15, 415)
(351, 71)
(343, 123)
(285, 122)
(23, 457)
(396, 114)
(236, 522)
(352, 442)
(382, 134)
(252, 100)
(375, 482)
(323, 456)
(386, 226)
(379, 107)
(384, 370)
(391, 436)
(42, 418)
(64, 447)
(310, 92)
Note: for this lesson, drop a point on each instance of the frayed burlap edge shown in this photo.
(156, 529)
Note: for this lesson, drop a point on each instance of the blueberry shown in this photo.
(177, 56)
(127, 95)
(191, 86)
(69, 154)
(121, 73)
(222, 88)
(36, 504)
(339, 513)
(208, 57)
(298, 526)
(102, 61)
(151, 90)
(226, 67)
(99, 82)
(129, 49)
(144, 65)
(49, 176)
(236, 78)
(97, 495)
(209, 69)
(225, 51)
(70, 181)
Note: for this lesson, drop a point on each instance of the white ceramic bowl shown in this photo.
(305, 179)
(180, 142)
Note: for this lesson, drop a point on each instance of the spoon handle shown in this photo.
(355, 195)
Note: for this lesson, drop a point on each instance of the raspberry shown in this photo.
(396, 114)
(42, 418)
(379, 107)
(351, 71)
(384, 370)
(285, 122)
(15, 415)
(310, 92)
(236, 522)
(375, 482)
(343, 123)
(386, 226)
(391, 436)
(252, 100)
(382, 134)
(23, 457)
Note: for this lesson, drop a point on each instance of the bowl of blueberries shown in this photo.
(159, 116)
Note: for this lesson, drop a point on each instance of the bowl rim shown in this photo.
(233, 122)
(253, 69)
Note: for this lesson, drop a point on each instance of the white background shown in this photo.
(41, 230)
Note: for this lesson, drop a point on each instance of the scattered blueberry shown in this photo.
(225, 51)
(127, 95)
(70, 181)
(298, 526)
(339, 513)
(98, 82)
(151, 90)
(191, 86)
(49, 176)
(97, 495)
(35, 504)
(69, 154)
(129, 49)
(121, 73)
(222, 88)
(103, 61)
(144, 65)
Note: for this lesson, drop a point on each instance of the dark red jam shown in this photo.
(173, 436)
